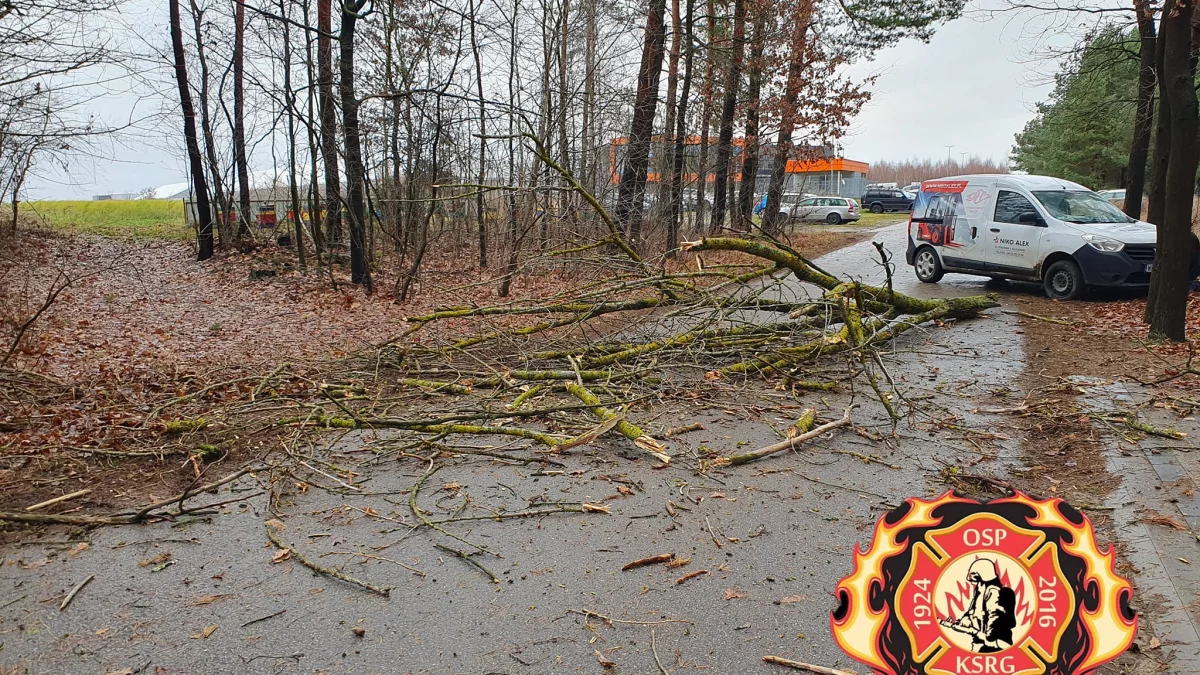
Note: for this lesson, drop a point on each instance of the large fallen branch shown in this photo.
(640, 438)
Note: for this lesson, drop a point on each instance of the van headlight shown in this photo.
(1103, 243)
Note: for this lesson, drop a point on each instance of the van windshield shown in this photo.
(1080, 207)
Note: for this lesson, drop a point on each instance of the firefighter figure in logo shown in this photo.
(990, 616)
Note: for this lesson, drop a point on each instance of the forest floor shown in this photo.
(208, 592)
(137, 318)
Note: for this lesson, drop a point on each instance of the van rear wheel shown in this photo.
(1064, 281)
(927, 266)
(877, 208)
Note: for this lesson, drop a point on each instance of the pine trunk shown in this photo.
(733, 80)
(667, 161)
(632, 190)
(797, 62)
(706, 113)
(680, 135)
(745, 205)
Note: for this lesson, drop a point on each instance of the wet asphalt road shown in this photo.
(774, 538)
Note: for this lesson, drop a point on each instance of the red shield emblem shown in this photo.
(1009, 587)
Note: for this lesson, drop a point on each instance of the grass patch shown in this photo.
(138, 219)
(869, 219)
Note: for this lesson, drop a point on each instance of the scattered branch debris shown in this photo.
(652, 560)
(807, 667)
(320, 569)
(689, 576)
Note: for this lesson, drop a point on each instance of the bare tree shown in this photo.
(631, 200)
(195, 162)
(1167, 306)
(240, 161)
(1143, 122)
(733, 81)
(360, 267)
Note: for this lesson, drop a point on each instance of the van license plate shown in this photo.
(1149, 267)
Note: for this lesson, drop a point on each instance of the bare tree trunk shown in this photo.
(666, 162)
(733, 80)
(1162, 159)
(1143, 121)
(706, 113)
(290, 97)
(360, 268)
(314, 195)
(329, 153)
(435, 169)
(632, 191)
(745, 204)
(563, 142)
(797, 62)
(210, 146)
(483, 242)
(195, 162)
(588, 169)
(513, 226)
(678, 155)
(544, 120)
(22, 174)
(1175, 248)
(239, 120)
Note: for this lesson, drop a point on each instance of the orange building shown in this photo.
(819, 173)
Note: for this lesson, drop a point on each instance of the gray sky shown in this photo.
(973, 86)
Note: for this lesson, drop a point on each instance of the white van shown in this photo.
(1032, 228)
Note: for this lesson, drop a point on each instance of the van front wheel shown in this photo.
(1064, 281)
(927, 266)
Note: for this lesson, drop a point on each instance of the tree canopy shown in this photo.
(1083, 132)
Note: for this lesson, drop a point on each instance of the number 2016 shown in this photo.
(1047, 594)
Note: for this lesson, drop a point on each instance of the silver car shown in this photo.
(832, 210)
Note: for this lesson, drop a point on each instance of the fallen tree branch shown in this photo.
(467, 557)
(808, 667)
(782, 446)
(320, 569)
(640, 438)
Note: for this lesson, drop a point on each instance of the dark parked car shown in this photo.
(878, 201)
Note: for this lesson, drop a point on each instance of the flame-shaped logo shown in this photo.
(1013, 586)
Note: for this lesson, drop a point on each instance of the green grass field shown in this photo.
(878, 219)
(140, 219)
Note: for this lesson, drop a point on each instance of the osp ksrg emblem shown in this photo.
(955, 586)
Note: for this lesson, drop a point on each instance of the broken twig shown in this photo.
(74, 591)
(808, 667)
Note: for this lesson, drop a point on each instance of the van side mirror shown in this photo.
(1032, 218)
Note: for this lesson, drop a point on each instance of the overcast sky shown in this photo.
(973, 87)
